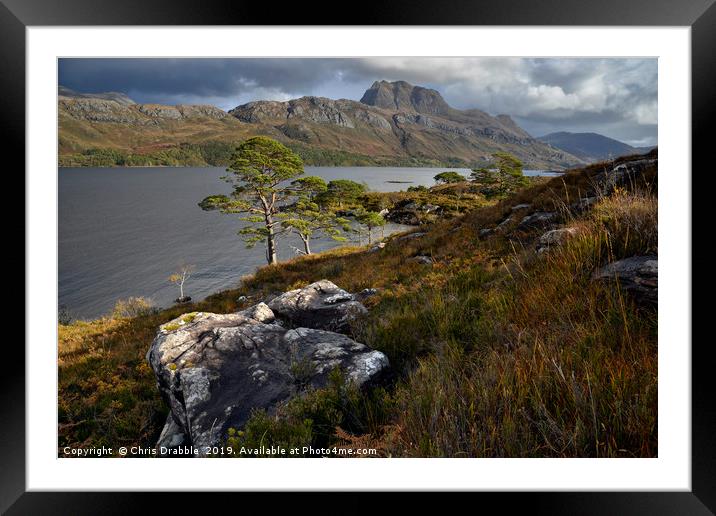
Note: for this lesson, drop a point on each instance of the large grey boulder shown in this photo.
(213, 369)
(321, 305)
(638, 275)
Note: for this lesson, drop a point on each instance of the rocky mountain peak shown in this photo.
(403, 96)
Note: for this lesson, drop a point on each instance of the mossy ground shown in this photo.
(496, 351)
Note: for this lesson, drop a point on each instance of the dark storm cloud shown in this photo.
(213, 77)
(615, 97)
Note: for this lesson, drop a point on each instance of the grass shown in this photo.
(496, 351)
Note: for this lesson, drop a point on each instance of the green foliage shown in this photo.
(213, 153)
(311, 186)
(370, 220)
(449, 177)
(258, 171)
(307, 217)
(504, 179)
(267, 431)
(312, 418)
(215, 202)
(260, 164)
(341, 192)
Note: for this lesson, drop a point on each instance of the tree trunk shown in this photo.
(306, 244)
(370, 236)
(181, 290)
(270, 242)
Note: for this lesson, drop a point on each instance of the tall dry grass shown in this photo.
(561, 366)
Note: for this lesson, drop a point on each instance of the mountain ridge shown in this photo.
(394, 122)
(590, 146)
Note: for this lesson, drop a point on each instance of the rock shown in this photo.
(320, 305)
(520, 207)
(214, 369)
(260, 312)
(637, 275)
(502, 225)
(366, 293)
(182, 300)
(555, 237)
(172, 434)
(377, 247)
(421, 259)
(410, 212)
(404, 217)
(538, 219)
(410, 236)
(485, 232)
(623, 173)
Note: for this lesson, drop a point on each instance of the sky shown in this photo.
(616, 97)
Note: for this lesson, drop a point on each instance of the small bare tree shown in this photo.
(179, 277)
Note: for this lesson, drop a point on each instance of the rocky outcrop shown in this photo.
(214, 369)
(321, 305)
(97, 109)
(411, 213)
(402, 96)
(538, 219)
(555, 238)
(637, 275)
(201, 111)
(486, 232)
(318, 110)
(623, 174)
(100, 110)
(64, 93)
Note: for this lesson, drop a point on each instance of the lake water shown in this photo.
(123, 231)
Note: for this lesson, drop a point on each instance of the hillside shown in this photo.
(514, 335)
(393, 124)
(591, 147)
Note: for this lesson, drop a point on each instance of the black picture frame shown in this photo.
(700, 15)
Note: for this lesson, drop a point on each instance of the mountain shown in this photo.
(591, 147)
(394, 123)
(401, 96)
(120, 98)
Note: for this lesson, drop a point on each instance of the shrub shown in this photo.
(63, 316)
(133, 307)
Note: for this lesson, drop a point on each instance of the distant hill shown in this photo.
(120, 98)
(591, 147)
(395, 123)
